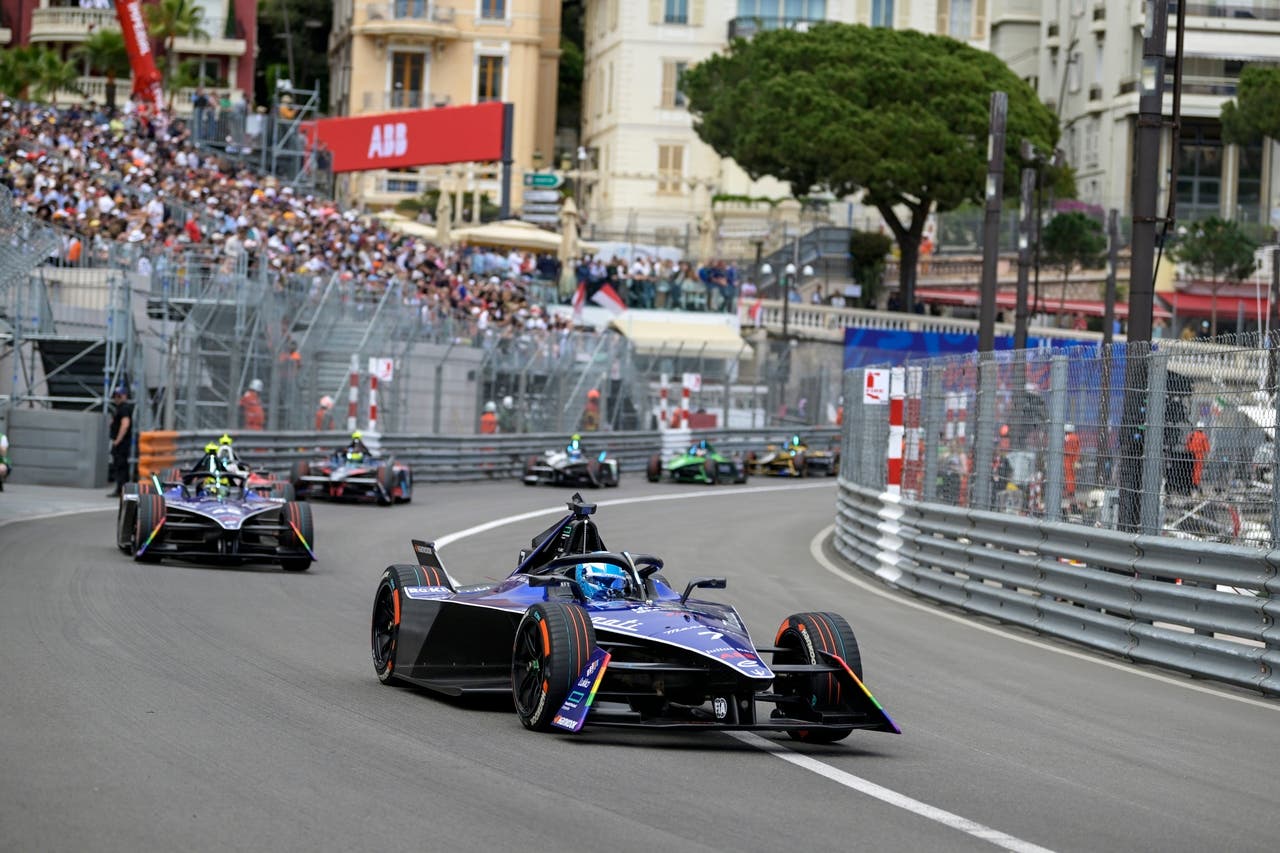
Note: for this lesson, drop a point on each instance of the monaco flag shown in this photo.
(607, 297)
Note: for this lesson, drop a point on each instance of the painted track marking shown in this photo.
(805, 762)
(888, 795)
(815, 550)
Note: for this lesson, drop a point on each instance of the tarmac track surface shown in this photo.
(164, 707)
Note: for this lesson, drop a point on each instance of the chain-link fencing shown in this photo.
(1175, 438)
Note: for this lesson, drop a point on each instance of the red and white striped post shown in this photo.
(897, 394)
(354, 398)
(663, 381)
(913, 450)
(684, 406)
(373, 402)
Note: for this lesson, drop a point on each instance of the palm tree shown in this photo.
(18, 70)
(104, 51)
(170, 20)
(53, 75)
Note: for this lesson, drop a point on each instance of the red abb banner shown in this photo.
(412, 137)
(146, 79)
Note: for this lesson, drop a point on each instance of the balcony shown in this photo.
(1239, 9)
(95, 89)
(67, 24)
(401, 100)
(745, 28)
(408, 18)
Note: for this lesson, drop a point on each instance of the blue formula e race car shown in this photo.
(213, 517)
(581, 635)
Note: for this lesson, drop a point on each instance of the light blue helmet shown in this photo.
(601, 580)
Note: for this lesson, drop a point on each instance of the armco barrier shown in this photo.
(437, 458)
(1201, 608)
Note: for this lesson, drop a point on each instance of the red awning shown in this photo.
(1008, 301)
(1229, 307)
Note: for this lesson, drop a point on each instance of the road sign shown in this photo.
(692, 381)
(382, 368)
(545, 196)
(548, 209)
(544, 180)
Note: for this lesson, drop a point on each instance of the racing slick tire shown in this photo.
(386, 483)
(712, 471)
(125, 518)
(611, 476)
(283, 491)
(593, 473)
(803, 636)
(300, 469)
(295, 519)
(653, 472)
(147, 521)
(385, 629)
(553, 643)
(406, 486)
(528, 471)
(801, 465)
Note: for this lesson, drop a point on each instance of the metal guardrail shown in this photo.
(441, 459)
(1205, 609)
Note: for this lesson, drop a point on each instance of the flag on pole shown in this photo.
(755, 312)
(607, 297)
(579, 298)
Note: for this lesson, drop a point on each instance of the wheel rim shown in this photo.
(384, 629)
(527, 670)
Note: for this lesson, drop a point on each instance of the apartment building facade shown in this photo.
(1087, 68)
(416, 54)
(648, 170)
(225, 58)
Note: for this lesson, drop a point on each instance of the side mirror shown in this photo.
(702, 583)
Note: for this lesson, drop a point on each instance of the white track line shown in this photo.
(887, 795)
(58, 514)
(805, 762)
(815, 549)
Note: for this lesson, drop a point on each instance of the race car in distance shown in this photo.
(581, 635)
(701, 463)
(571, 466)
(221, 457)
(794, 458)
(354, 473)
(215, 519)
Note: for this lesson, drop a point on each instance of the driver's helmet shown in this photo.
(700, 449)
(355, 456)
(211, 448)
(601, 581)
(795, 441)
(574, 447)
(225, 440)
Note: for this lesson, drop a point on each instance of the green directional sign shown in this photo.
(544, 180)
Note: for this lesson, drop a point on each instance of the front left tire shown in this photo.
(803, 636)
(553, 643)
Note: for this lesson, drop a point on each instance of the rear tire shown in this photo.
(386, 484)
(283, 491)
(654, 470)
(801, 465)
(553, 643)
(295, 514)
(406, 486)
(149, 520)
(385, 629)
(712, 470)
(593, 473)
(804, 635)
(528, 471)
(300, 469)
(125, 517)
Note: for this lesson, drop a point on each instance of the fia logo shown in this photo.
(388, 140)
(721, 708)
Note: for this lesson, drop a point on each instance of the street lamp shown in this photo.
(583, 157)
(788, 278)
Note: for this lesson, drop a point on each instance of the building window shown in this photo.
(1249, 184)
(489, 80)
(773, 13)
(1199, 171)
(960, 20)
(670, 169)
(493, 10)
(676, 12)
(882, 13)
(1091, 129)
(408, 71)
(672, 74)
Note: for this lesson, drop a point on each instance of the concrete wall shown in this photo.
(50, 448)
